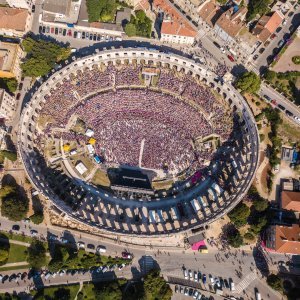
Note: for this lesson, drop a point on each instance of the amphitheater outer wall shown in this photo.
(25, 137)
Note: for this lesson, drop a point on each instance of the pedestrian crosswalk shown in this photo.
(245, 282)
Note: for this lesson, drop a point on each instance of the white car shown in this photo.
(81, 245)
(121, 266)
(196, 293)
(186, 291)
(195, 276)
(185, 273)
(212, 281)
(101, 249)
(232, 286)
(33, 232)
(297, 119)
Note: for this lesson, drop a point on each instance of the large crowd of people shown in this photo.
(142, 126)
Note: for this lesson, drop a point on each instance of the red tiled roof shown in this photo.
(290, 200)
(13, 18)
(177, 24)
(287, 239)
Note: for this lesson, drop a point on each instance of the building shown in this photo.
(209, 12)
(267, 25)
(230, 23)
(25, 4)
(64, 11)
(283, 239)
(290, 200)
(10, 56)
(175, 28)
(7, 105)
(14, 21)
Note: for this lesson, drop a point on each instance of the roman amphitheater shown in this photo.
(139, 141)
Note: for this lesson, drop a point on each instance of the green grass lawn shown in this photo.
(12, 268)
(17, 253)
(87, 291)
(17, 237)
(50, 291)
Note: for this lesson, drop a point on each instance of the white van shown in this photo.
(101, 249)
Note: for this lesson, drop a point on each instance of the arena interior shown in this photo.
(139, 141)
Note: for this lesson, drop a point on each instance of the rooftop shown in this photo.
(232, 22)
(287, 239)
(174, 23)
(208, 11)
(290, 200)
(13, 18)
(57, 6)
(8, 53)
(267, 25)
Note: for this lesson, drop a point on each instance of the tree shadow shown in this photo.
(260, 261)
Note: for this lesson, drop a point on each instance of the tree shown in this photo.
(234, 238)
(130, 29)
(275, 282)
(42, 56)
(156, 287)
(4, 253)
(36, 254)
(10, 155)
(37, 217)
(249, 236)
(249, 82)
(270, 75)
(139, 25)
(101, 10)
(260, 204)
(14, 205)
(257, 7)
(9, 84)
(239, 214)
(108, 291)
(62, 294)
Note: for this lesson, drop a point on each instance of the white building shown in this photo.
(7, 105)
(26, 4)
(81, 168)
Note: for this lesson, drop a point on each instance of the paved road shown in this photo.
(170, 261)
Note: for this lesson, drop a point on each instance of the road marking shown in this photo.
(245, 282)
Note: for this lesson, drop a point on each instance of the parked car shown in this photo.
(290, 14)
(64, 32)
(63, 240)
(278, 29)
(195, 295)
(75, 34)
(232, 286)
(101, 249)
(267, 98)
(230, 58)
(261, 50)
(121, 267)
(281, 43)
(52, 30)
(43, 29)
(33, 232)
(281, 107)
(273, 36)
(212, 281)
(87, 35)
(255, 57)
(186, 291)
(90, 246)
(126, 255)
(204, 278)
(20, 85)
(297, 119)
(290, 114)
(56, 31)
(195, 276)
(81, 245)
(274, 102)
(16, 227)
(190, 275)
(47, 29)
(40, 29)
(181, 290)
(33, 8)
(83, 35)
(18, 96)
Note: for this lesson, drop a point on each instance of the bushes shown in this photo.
(249, 236)
(275, 282)
(139, 25)
(101, 10)
(296, 60)
(37, 218)
(261, 137)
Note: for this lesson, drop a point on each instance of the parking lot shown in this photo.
(76, 34)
